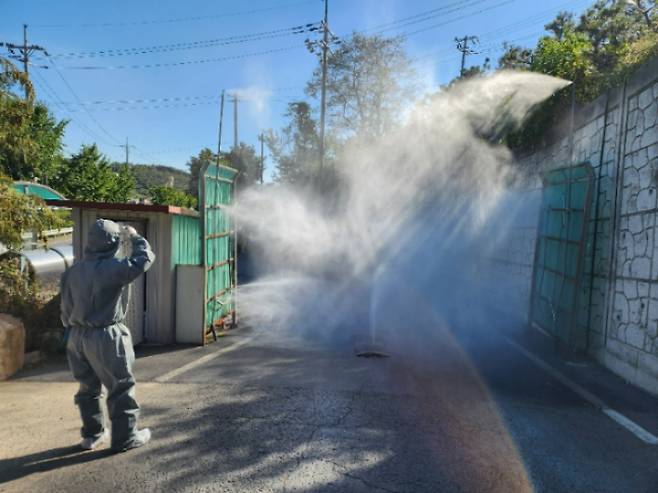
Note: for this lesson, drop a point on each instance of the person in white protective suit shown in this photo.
(94, 297)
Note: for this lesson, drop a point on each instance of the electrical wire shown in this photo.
(176, 19)
(169, 99)
(47, 88)
(425, 15)
(75, 96)
(539, 17)
(441, 14)
(490, 37)
(188, 101)
(251, 54)
(459, 18)
(185, 62)
(400, 23)
(210, 43)
(180, 104)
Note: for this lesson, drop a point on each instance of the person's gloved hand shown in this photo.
(130, 231)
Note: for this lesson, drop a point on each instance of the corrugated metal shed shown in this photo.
(174, 235)
(185, 240)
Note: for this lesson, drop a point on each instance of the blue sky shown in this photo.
(133, 95)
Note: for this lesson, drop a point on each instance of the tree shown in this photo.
(561, 25)
(568, 58)
(295, 150)
(170, 196)
(370, 81)
(206, 156)
(476, 70)
(609, 25)
(244, 159)
(19, 214)
(30, 137)
(609, 41)
(22, 213)
(47, 133)
(88, 176)
(648, 10)
(515, 57)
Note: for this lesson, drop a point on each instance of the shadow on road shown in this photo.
(47, 460)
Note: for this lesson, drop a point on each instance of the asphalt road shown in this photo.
(277, 414)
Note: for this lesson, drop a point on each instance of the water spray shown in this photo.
(323, 268)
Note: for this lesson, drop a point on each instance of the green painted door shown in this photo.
(560, 252)
(218, 247)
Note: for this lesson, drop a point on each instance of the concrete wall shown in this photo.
(509, 254)
(618, 135)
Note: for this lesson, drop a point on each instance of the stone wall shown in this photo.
(618, 135)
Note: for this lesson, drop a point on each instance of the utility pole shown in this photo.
(22, 53)
(261, 137)
(328, 38)
(234, 100)
(221, 122)
(127, 147)
(462, 45)
(323, 94)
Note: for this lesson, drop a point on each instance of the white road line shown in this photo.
(204, 359)
(631, 426)
(619, 418)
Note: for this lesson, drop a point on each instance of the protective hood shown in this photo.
(103, 239)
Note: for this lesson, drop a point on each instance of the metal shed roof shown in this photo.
(37, 189)
(165, 209)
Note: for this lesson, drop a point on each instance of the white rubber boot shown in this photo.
(93, 443)
(142, 437)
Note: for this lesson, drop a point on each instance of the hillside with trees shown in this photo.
(148, 176)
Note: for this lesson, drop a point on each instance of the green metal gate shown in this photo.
(218, 248)
(560, 253)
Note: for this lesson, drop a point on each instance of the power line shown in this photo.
(185, 62)
(48, 89)
(41, 82)
(178, 101)
(75, 96)
(145, 154)
(174, 99)
(502, 32)
(25, 51)
(454, 7)
(424, 16)
(459, 18)
(210, 43)
(176, 19)
(293, 47)
(287, 48)
(539, 17)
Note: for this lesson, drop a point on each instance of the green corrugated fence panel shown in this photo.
(219, 243)
(186, 240)
(561, 243)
